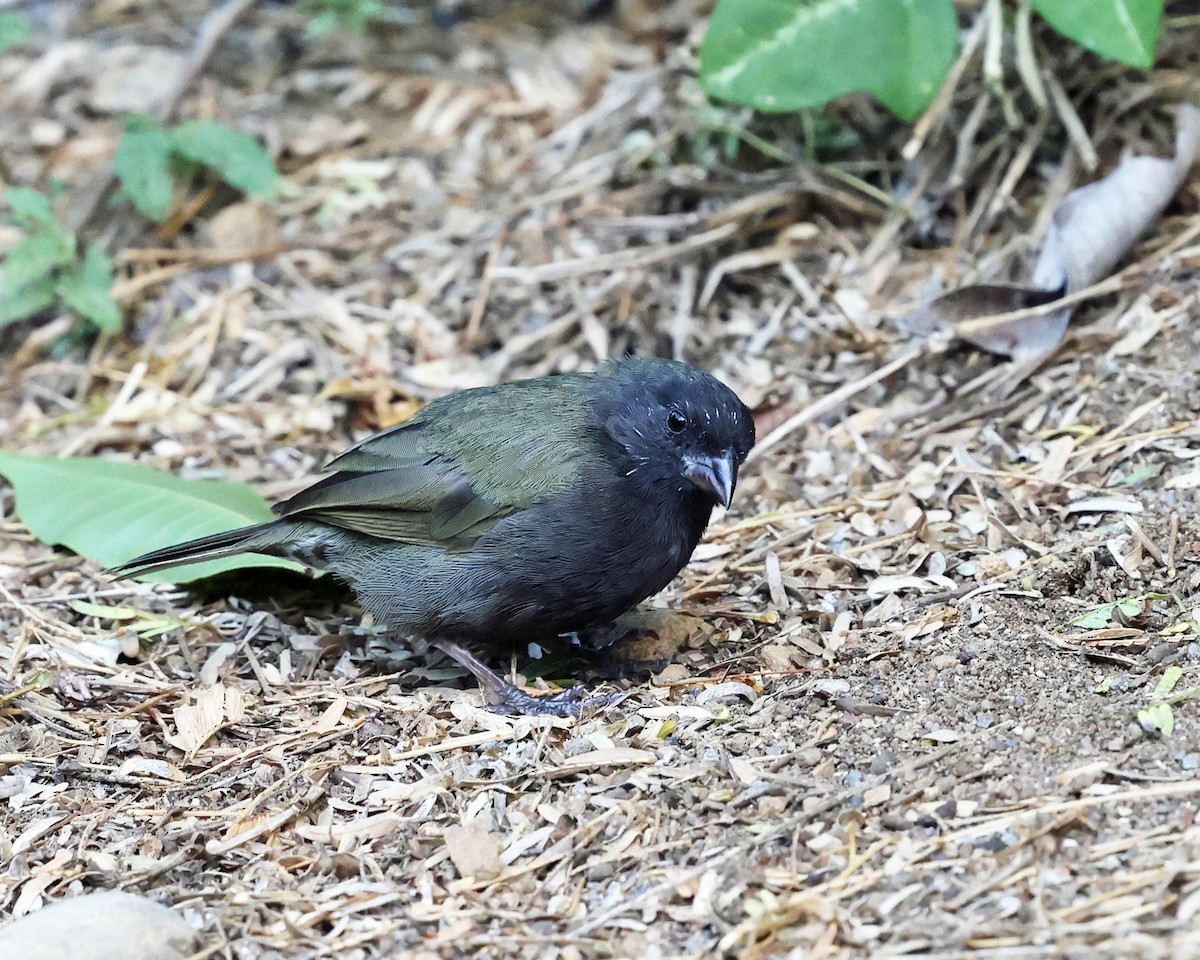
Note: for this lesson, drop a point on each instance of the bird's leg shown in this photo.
(504, 697)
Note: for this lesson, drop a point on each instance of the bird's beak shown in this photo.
(716, 476)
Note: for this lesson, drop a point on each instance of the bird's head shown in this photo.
(675, 425)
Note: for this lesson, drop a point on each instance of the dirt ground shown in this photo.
(898, 718)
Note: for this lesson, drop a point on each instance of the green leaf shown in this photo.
(143, 164)
(1166, 683)
(30, 208)
(112, 512)
(237, 157)
(26, 301)
(103, 611)
(352, 16)
(88, 291)
(1124, 30)
(320, 25)
(1097, 618)
(1104, 614)
(783, 55)
(14, 29)
(1157, 716)
(35, 257)
(145, 625)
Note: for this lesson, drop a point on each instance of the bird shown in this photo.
(514, 513)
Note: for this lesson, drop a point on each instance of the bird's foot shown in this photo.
(566, 703)
(504, 697)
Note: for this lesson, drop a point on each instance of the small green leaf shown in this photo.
(146, 625)
(1132, 607)
(29, 207)
(1180, 627)
(1105, 685)
(112, 512)
(35, 257)
(14, 29)
(1105, 614)
(88, 291)
(1097, 618)
(237, 157)
(1166, 683)
(784, 55)
(143, 164)
(155, 625)
(320, 25)
(1142, 473)
(352, 16)
(1124, 30)
(26, 301)
(103, 611)
(1157, 716)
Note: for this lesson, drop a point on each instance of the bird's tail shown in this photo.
(270, 538)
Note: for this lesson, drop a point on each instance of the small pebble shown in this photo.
(45, 134)
(882, 763)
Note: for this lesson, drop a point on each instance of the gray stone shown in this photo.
(133, 79)
(99, 926)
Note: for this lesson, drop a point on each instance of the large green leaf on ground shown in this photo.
(112, 512)
(1123, 30)
(782, 55)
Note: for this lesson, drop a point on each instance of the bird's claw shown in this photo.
(566, 703)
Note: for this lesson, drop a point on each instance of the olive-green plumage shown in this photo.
(518, 511)
(448, 474)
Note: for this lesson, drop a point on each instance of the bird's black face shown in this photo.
(676, 426)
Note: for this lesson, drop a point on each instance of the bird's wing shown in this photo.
(455, 469)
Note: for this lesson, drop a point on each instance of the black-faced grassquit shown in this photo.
(517, 512)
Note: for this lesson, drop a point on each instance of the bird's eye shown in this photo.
(676, 421)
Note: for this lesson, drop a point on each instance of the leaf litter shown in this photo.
(884, 737)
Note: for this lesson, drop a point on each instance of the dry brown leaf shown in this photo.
(197, 721)
(1090, 232)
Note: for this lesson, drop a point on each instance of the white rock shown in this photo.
(99, 926)
(133, 79)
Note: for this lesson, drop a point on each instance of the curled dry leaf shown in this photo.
(198, 721)
(1090, 232)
